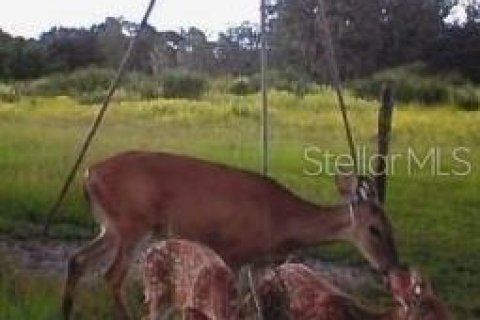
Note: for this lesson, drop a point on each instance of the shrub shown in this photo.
(290, 81)
(416, 89)
(89, 80)
(184, 85)
(76, 83)
(466, 98)
(96, 97)
(411, 84)
(8, 94)
(146, 87)
(243, 86)
(433, 91)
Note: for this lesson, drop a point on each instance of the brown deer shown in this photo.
(293, 291)
(188, 277)
(241, 215)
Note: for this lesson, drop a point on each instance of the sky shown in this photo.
(28, 18)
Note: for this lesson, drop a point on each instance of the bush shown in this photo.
(467, 98)
(96, 97)
(8, 94)
(146, 87)
(243, 86)
(89, 85)
(411, 84)
(290, 81)
(76, 83)
(416, 89)
(183, 85)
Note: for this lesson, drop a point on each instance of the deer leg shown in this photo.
(78, 263)
(115, 278)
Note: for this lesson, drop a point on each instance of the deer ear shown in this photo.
(367, 188)
(347, 184)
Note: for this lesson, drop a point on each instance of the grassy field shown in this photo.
(436, 217)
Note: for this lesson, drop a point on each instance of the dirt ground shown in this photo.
(49, 257)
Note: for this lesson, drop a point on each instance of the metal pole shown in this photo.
(264, 84)
(96, 124)
(265, 158)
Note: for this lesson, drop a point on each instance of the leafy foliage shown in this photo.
(467, 98)
(415, 83)
(244, 86)
(183, 85)
(8, 94)
(368, 37)
(74, 83)
(143, 86)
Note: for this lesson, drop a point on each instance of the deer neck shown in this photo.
(309, 224)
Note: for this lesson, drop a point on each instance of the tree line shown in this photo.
(369, 36)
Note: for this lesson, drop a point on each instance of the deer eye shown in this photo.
(375, 231)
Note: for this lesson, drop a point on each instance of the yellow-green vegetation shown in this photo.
(436, 217)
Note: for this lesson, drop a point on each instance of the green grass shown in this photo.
(436, 218)
(38, 297)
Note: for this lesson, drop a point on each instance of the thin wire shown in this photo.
(98, 120)
(335, 78)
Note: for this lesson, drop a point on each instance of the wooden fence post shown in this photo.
(384, 134)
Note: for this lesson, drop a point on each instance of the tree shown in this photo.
(70, 48)
(164, 55)
(368, 35)
(195, 51)
(20, 58)
(237, 49)
(111, 41)
(409, 28)
(472, 10)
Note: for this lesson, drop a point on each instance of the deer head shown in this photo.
(370, 229)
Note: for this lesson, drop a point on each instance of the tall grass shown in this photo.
(435, 217)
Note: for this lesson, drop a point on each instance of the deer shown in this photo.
(294, 291)
(188, 277)
(241, 215)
